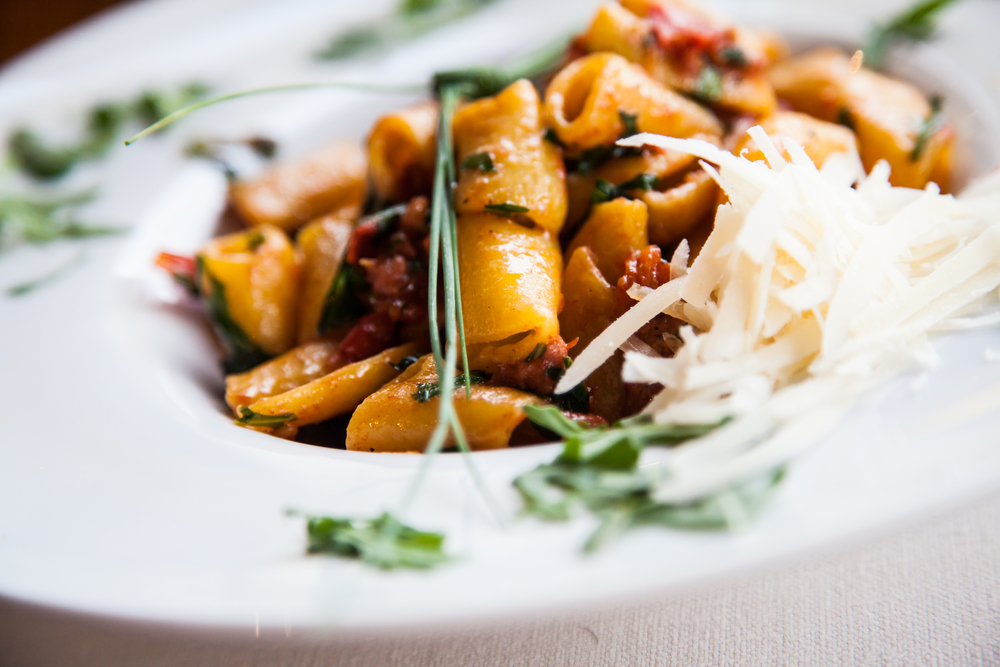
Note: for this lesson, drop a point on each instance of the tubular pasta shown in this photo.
(392, 420)
(323, 243)
(401, 153)
(527, 170)
(292, 193)
(510, 288)
(584, 103)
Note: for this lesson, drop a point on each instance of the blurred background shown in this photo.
(24, 24)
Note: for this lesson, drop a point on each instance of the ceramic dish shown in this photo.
(125, 488)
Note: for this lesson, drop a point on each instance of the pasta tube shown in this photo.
(250, 282)
(504, 163)
(510, 288)
(401, 416)
(335, 393)
(818, 138)
(690, 50)
(589, 101)
(294, 368)
(675, 212)
(613, 230)
(401, 153)
(893, 120)
(292, 193)
(323, 243)
(589, 300)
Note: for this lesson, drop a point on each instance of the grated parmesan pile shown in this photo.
(814, 287)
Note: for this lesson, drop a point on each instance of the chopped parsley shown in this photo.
(733, 56)
(481, 161)
(630, 123)
(428, 390)
(537, 352)
(404, 363)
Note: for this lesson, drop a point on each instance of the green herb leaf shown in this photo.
(343, 303)
(537, 352)
(477, 82)
(412, 19)
(404, 363)
(242, 352)
(597, 470)
(254, 239)
(383, 542)
(250, 418)
(629, 123)
(929, 127)
(708, 86)
(428, 390)
(481, 161)
(734, 56)
(605, 191)
(505, 210)
(914, 24)
(550, 136)
(845, 118)
(45, 220)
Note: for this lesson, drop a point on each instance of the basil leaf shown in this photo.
(342, 304)
(242, 352)
(384, 542)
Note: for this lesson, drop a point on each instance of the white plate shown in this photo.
(126, 490)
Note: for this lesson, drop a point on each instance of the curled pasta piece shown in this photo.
(401, 416)
(589, 301)
(293, 193)
(613, 231)
(587, 104)
(294, 368)
(250, 281)
(337, 392)
(505, 166)
(890, 117)
(817, 137)
(510, 288)
(323, 243)
(689, 49)
(401, 153)
(674, 213)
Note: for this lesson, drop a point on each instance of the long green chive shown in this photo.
(400, 89)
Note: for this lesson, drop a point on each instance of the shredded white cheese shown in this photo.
(814, 287)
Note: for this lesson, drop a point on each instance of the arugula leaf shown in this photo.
(605, 191)
(384, 542)
(929, 127)
(708, 86)
(914, 24)
(342, 304)
(242, 352)
(597, 469)
(630, 123)
(537, 352)
(428, 390)
(104, 122)
(41, 220)
(404, 363)
(505, 210)
(250, 418)
(481, 161)
(411, 19)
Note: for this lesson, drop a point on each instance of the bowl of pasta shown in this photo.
(681, 293)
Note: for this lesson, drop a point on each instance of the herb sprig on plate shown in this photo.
(916, 23)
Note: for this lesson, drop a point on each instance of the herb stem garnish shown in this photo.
(928, 128)
(598, 469)
(505, 210)
(24, 288)
(914, 24)
(360, 86)
(605, 191)
(41, 220)
(104, 122)
(411, 19)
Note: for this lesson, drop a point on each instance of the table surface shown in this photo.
(926, 594)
